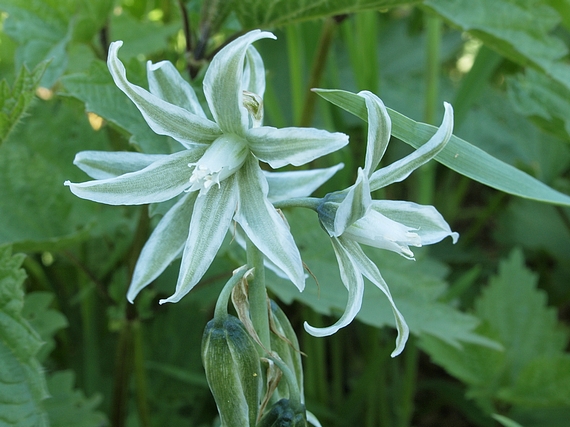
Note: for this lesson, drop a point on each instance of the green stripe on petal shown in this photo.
(109, 164)
(401, 169)
(293, 146)
(162, 180)
(165, 81)
(223, 83)
(254, 73)
(267, 230)
(163, 246)
(379, 128)
(289, 185)
(162, 117)
(369, 269)
(210, 222)
(426, 221)
(352, 280)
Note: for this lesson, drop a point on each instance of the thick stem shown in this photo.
(140, 374)
(258, 309)
(410, 363)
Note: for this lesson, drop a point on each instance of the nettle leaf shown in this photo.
(43, 29)
(22, 382)
(45, 321)
(517, 316)
(41, 212)
(275, 13)
(15, 100)
(458, 154)
(68, 407)
(415, 286)
(518, 29)
(545, 101)
(102, 97)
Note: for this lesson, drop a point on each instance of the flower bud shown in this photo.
(233, 370)
(285, 413)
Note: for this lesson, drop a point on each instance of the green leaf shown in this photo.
(516, 315)
(15, 100)
(543, 100)
(518, 29)
(41, 213)
(68, 407)
(274, 13)
(43, 29)
(102, 97)
(46, 321)
(458, 155)
(415, 286)
(22, 382)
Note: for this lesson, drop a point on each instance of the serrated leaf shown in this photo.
(45, 321)
(15, 100)
(518, 29)
(101, 96)
(415, 286)
(68, 407)
(22, 382)
(516, 315)
(458, 154)
(43, 29)
(275, 13)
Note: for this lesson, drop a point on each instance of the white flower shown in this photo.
(352, 217)
(217, 174)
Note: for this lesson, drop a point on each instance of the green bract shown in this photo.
(351, 216)
(217, 174)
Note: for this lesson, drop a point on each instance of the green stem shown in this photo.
(140, 375)
(295, 54)
(258, 309)
(410, 362)
(123, 369)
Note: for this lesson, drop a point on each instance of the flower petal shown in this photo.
(266, 229)
(369, 269)
(353, 281)
(379, 128)
(210, 222)
(162, 180)
(254, 73)
(223, 83)
(401, 169)
(295, 146)
(163, 246)
(165, 81)
(354, 206)
(289, 185)
(162, 117)
(109, 164)
(426, 220)
(379, 231)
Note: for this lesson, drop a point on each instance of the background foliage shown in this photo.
(489, 315)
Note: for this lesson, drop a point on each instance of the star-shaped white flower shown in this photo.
(217, 174)
(351, 216)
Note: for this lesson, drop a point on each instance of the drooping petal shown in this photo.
(426, 220)
(254, 73)
(379, 231)
(263, 224)
(210, 222)
(163, 246)
(369, 269)
(354, 206)
(401, 169)
(379, 128)
(163, 117)
(293, 146)
(165, 81)
(223, 83)
(109, 164)
(289, 185)
(162, 180)
(352, 279)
